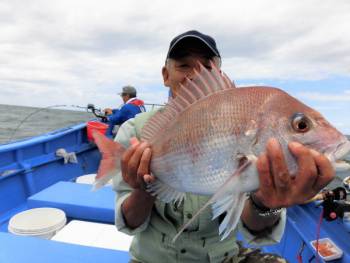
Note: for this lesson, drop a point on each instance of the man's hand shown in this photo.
(278, 188)
(108, 111)
(135, 165)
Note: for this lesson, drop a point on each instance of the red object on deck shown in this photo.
(95, 126)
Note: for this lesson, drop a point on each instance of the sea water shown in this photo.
(19, 122)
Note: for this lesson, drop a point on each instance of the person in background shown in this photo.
(154, 223)
(132, 106)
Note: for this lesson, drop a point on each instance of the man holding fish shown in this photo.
(164, 189)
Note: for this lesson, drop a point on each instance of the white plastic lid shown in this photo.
(37, 221)
(88, 179)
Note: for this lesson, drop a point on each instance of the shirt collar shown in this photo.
(130, 100)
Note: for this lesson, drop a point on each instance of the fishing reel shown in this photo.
(335, 204)
(97, 112)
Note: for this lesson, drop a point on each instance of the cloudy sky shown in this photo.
(78, 52)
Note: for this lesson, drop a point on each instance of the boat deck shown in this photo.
(17, 249)
(78, 201)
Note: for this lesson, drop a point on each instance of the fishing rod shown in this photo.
(45, 108)
(97, 112)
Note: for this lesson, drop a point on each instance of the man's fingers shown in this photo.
(136, 157)
(134, 141)
(266, 186)
(278, 164)
(307, 170)
(326, 172)
(264, 172)
(130, 163)
(148, 178)
(125, 160)
(144, 163)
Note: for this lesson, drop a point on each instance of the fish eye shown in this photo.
(301, 123)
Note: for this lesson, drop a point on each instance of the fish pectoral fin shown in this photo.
(233, 206)
(165, 192)
(228, 188)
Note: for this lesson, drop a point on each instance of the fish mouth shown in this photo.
(336, 156)
(342, 149)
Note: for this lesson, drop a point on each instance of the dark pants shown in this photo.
(254, 255)
(250, 255)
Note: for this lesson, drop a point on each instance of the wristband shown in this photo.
(263, 210)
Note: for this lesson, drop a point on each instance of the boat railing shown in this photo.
(154, 105)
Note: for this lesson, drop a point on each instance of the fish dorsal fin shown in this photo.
(203, 84)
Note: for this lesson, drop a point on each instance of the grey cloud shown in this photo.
(18, 81)
(325, 52)
(107, 42)
(266, 41)
(254, 42)
(63, 36)
(7, 91)
(6, 18)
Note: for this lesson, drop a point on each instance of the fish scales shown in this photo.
(211, 128)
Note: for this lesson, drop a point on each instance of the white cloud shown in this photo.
(326, 97)
(250, 85)
(75, 52)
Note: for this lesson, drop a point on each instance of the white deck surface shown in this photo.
(89, 179)
(93, 234)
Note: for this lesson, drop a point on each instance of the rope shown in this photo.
(318, 235)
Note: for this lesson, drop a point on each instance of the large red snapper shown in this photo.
(206, 141)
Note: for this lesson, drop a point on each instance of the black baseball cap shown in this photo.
(181, 44)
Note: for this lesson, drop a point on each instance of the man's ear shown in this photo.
(165, 74)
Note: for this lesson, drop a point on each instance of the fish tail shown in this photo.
(111, 152)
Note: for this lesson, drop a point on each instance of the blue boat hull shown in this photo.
(29, 166)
